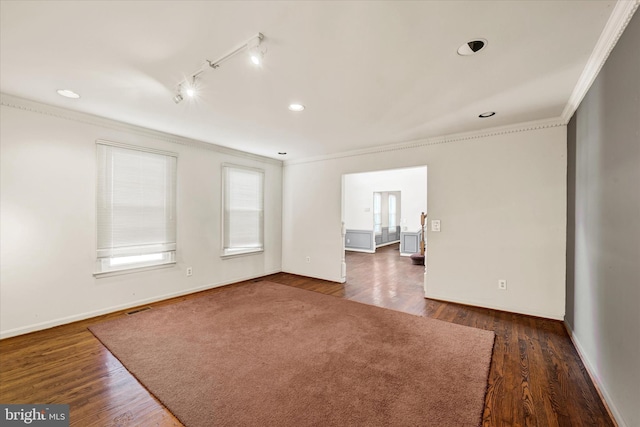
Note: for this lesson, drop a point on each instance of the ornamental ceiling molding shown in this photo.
(91, 119)
(424, 142)
(620, 16)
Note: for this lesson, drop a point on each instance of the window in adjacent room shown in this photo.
(377, 213)
(136, 207)
(393, 221)
(243, 210)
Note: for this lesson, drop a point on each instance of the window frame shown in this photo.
(226, 253)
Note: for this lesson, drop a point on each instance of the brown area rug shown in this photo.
(266, 354)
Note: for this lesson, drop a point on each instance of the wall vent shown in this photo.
(129, 313)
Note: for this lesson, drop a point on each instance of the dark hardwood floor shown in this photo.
(536, 377)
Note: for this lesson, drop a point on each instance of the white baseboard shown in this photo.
(595, 378)
(369, 251)
(387, 244)
(328, 279)
(87, 315)
(366, 251)
(516, 310)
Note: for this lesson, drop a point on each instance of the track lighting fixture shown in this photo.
(178, 96)
(256, 54)
(187, 88)
(192, 87)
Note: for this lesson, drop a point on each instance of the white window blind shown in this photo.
(136, 207)
(243, 210)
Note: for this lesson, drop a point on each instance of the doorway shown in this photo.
(379, 210)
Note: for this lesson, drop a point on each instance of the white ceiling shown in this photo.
(369, 73)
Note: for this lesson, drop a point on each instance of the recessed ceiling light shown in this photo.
(68, 93)
(487, 114)
(296, 107)
(471, 47)
(282, 153)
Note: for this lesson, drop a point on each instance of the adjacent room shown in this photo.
(381, 212)
(211, 213)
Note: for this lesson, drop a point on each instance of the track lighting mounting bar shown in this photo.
(252, 42)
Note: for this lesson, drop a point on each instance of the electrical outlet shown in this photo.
(435, 225)
(189, 271)
(502, 284)
(308, 259)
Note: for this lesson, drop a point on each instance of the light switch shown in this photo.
(435, 225)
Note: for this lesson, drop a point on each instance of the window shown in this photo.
(243, 212)
(136, 207)
(393, 222)
(377, 213)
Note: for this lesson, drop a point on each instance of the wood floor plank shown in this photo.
(536, 376)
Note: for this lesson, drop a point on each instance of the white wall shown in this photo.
(501, 199)
(358, 196)
(48, 222)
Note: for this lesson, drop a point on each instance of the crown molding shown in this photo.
(618, 20)
(464, 136)
(24, 104)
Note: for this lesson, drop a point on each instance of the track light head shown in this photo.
(256, 58)
(255, 53)
(192, 88)
(178, 98)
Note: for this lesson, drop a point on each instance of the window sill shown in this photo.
(100, 275)
(241, 253)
